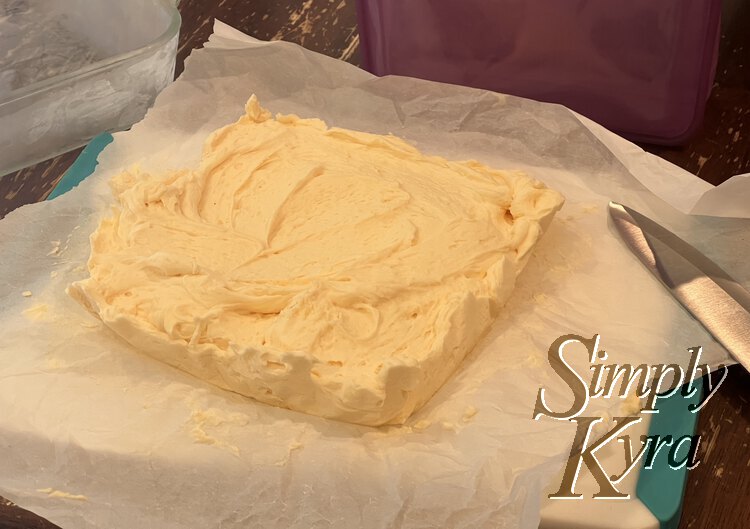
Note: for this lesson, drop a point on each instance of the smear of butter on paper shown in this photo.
(53, 493)
(39, 312)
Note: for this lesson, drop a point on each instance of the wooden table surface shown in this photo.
(719, 488)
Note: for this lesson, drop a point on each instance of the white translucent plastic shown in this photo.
(72, 69)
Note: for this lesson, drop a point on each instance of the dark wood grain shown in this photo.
(718, 489)
(14, 517)
(325, 26)
(34, 183)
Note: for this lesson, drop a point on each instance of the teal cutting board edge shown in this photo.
(83, 166)
(662, 489)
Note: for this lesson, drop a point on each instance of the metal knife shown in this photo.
(716, 300)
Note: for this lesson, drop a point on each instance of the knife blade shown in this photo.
(716, 300)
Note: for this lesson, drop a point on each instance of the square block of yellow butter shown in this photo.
(328, 271)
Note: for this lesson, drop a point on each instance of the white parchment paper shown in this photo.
(149, 446)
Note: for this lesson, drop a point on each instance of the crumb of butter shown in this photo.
(52, 493)
(294, 445)
(590, 208)
(421, 425)
(448, 426)
(469, 413)
(53, 274)
(54, 363)
(26, 293)
(205, 420)
(201, 437)
(534, 361)
(631, 405)
(540, 297)
(603, 426)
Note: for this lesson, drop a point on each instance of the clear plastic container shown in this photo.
(72, 69)
(643, 68)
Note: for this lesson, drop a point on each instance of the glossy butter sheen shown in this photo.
(328, 271)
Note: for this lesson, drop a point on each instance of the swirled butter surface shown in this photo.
(328, 271)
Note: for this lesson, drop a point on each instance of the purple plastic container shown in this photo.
(642, 68)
